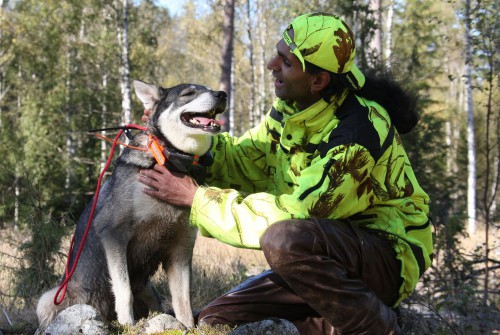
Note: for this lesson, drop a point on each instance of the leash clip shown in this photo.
(128, 133)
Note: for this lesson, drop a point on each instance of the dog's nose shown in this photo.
(220, 94)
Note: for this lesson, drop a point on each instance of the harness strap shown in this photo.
(173, 160)
(119, 142)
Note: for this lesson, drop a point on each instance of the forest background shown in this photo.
(66, 67)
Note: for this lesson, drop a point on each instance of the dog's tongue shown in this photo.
(207, 121)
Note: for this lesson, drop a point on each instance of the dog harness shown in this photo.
(192, 165)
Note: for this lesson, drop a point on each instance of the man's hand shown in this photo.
(171, 187)
(146, 115)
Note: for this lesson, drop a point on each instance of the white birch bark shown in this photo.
(262, 31)
(69, 140)
(226, 80)
(387, 38)
(3, 90)
(375, 43)
(249, 28)
(122, 29)
(232, 88)
(104, 112)
(17, 190)
(471, 153)
(104, 105)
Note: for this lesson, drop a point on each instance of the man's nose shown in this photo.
(271, 65)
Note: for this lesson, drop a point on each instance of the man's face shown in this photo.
(291, 82)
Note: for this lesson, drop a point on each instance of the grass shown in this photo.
(216, 268)
(201, 330)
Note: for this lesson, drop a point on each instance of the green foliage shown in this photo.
(60, 76)
(40, 252)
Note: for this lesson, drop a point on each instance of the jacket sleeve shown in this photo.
(240, 162)
(327, 188)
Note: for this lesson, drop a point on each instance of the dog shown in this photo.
(133, 233)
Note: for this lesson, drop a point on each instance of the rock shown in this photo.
(160, 323)
(273, 326)
(77, 319)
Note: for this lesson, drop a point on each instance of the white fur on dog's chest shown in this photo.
(147, 208)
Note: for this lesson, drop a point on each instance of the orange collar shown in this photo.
(156, 149)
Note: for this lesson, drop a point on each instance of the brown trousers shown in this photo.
(326, 277)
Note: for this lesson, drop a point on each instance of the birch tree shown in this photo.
(261, 31)
(227, 58)
(387, 38)
(122, 34)
(3, 56)
(375, 43)
(471, 151)
(249, 28)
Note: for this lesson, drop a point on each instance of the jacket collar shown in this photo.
(314, 117)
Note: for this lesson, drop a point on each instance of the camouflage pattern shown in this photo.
(326, 161)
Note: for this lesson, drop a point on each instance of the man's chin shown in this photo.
(279, 94)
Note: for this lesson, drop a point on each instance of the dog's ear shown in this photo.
(147, 93)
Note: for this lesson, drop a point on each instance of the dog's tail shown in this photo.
(46, 310)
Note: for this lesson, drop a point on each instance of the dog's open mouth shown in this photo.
(205, 121)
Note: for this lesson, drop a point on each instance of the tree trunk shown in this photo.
(262, 29)
(376, 41)
(249, 27)
(125, 64)
(3, 90)
(104, 125)
(232, 90)
(69, 139)
(17, 173)
(227, 57)
(471, 153)
(387, 38)
(491, 176)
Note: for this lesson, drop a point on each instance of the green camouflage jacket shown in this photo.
(325, 162)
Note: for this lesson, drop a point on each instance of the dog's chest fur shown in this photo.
(157, 226)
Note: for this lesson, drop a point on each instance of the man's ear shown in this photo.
(320, 81)
(149, 94)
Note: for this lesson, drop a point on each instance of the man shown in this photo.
(323, 186)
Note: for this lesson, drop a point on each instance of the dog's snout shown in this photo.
(220, 94)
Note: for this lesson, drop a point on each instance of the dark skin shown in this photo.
(291, 83)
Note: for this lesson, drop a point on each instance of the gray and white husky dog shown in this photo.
(132, 233)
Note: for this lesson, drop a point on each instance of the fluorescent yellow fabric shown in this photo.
(316, 163)
(325, 40)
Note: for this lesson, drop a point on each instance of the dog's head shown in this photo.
(184, 115)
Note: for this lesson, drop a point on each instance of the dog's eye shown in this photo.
(188, 93)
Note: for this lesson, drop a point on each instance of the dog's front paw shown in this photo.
(124, 302)
(125, 314)
(126, 320)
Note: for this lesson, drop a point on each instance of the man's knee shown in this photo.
(285, 240)
(268, 239)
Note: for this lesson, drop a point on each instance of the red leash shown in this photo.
(69, 273)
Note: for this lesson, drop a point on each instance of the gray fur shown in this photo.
(133, 233)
